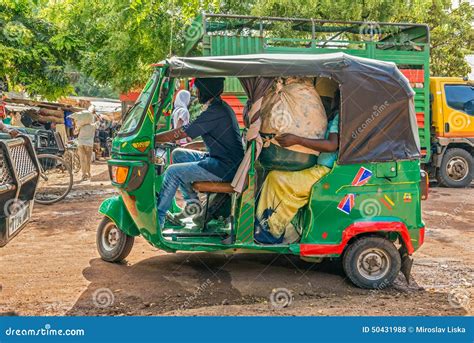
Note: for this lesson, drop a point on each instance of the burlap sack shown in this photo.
(294, 107)
(82, 118)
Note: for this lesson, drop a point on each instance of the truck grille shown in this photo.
(5, 176)
(24, 164)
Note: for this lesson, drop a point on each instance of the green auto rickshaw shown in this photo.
(366, 211)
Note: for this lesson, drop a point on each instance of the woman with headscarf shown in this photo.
(180, 115)
(219, 129)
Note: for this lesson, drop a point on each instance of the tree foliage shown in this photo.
(33, 52)
(122, 38)
(450, 29)
(113, 42)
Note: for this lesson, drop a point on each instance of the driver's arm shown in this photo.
(200, 126)
(171, 135)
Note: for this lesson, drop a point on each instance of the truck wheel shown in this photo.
(456, 168)
(112, 243)
(372, 262)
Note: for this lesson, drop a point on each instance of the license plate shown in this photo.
(17, 220)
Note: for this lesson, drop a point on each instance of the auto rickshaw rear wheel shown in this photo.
(372, 262)
(113, 244)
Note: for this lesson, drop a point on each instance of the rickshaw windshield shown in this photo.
(139, 109)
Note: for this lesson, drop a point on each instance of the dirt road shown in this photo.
(53, 268)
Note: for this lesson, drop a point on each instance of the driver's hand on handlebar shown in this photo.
(165, 145)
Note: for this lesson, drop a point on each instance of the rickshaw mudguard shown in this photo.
(356, 229)
(114, 209)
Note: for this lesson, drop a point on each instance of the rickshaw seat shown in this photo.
(213, 187)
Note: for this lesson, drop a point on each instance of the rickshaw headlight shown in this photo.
(119, 174)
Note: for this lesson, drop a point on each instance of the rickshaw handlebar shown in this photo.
(166, 145)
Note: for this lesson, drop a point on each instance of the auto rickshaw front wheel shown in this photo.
(112, 243)
(372, 262)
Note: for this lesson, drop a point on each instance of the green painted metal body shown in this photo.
(383, 199)
(373, 201)
(392, 195)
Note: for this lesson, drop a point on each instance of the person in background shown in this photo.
(85, 126)
(8, 118)
(103, 134)
(180, 115)
(69, 124)
(4, 128)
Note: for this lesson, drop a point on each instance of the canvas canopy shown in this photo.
(378, 120)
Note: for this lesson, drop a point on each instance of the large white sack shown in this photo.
(294, 107)
(82, 118)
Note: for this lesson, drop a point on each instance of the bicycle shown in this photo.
(71, 156)
(55, 181)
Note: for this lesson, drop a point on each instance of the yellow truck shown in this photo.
(452, 123)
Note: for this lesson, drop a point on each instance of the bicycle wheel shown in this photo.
(72, 158)
(55, 179)
(77, 162)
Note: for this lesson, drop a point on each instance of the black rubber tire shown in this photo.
(70, 178)
(444, 179)
(123, 247)
(351, 256)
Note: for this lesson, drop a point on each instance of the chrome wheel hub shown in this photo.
(457, 168)
(111, 237)
(373, 263)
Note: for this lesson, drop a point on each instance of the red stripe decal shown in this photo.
(354, 230)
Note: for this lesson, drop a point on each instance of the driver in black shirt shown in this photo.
(219, 129)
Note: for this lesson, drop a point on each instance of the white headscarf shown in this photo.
(180, 110)
(182, 99)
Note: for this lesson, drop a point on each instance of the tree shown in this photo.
(122, 38)
(451, 30)
(33, 52)
(113, 42)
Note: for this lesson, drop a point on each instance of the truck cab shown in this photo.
(452, 118)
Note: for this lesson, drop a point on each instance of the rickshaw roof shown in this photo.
(286, 65)
(377, 115)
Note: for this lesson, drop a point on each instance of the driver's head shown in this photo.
(209, 88)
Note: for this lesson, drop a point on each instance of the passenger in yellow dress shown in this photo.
(285, 192)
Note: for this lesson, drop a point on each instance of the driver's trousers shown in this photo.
(181, 174)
